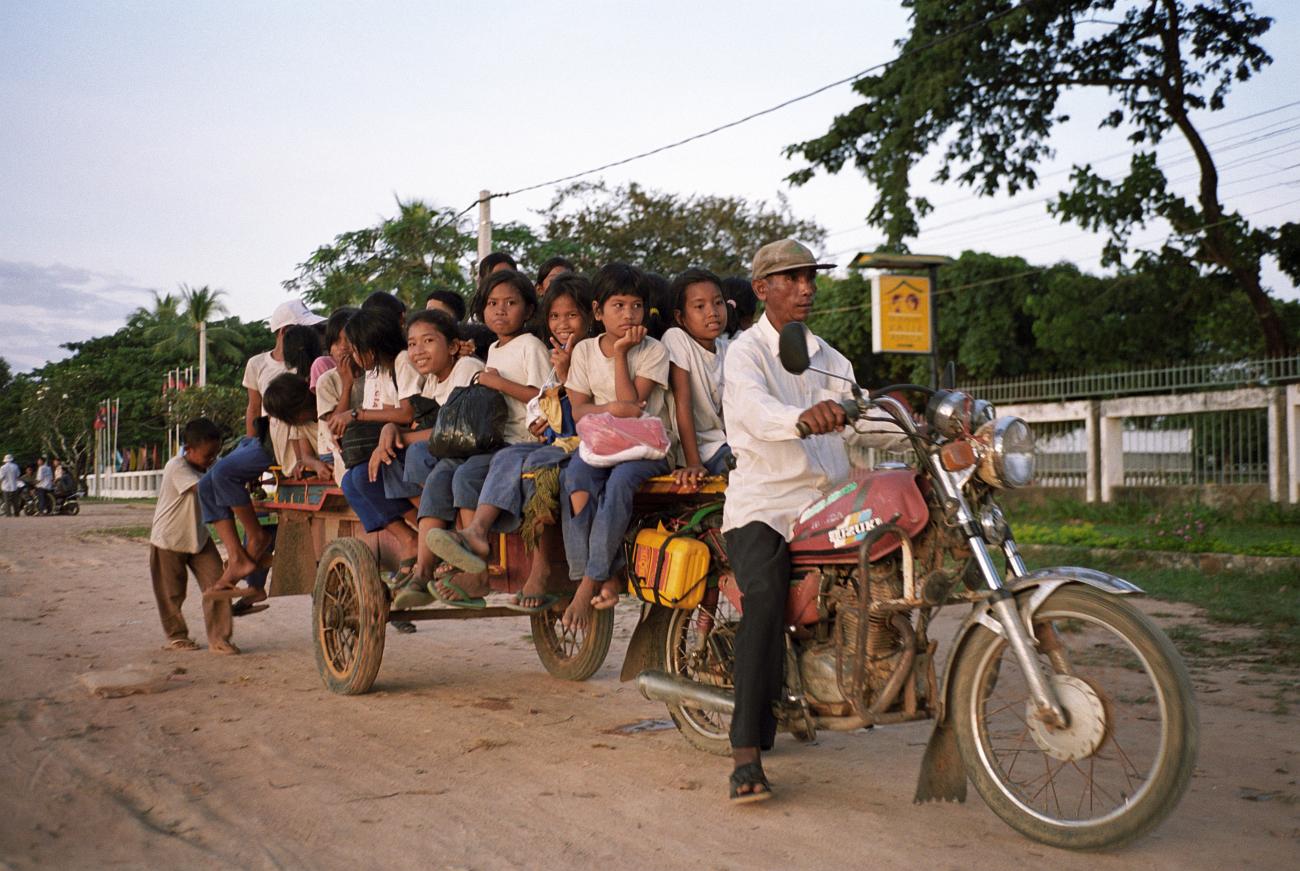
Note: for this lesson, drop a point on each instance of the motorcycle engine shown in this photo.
(830, 670)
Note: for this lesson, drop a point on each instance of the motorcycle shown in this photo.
(1066, 707)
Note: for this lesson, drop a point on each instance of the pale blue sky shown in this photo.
(148, 144)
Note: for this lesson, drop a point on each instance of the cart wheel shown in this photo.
(349, 612)
(572, 655)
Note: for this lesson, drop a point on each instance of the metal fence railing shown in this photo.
(1187, 377)
(1228, 447)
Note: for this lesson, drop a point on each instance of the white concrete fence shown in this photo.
(124, 485)
(1106, 442)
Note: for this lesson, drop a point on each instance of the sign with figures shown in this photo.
(900, 314)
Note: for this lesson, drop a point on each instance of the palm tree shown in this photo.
(186, 331)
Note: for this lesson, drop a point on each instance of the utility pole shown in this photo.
(484, 225)
(203, 353)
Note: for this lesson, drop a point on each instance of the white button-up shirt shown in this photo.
(777, 473)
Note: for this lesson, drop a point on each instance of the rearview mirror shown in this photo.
(794, 347)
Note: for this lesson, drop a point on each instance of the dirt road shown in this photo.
(467, 755)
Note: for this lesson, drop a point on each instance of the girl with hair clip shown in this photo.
(622, 372)
(517, 367)
(566, 320)
(379, 351)
(695, 351)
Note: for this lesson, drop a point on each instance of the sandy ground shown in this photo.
(468, 755)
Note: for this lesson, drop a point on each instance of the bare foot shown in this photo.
(224, 648)
(608, 596)
(578, 615)
(238, 567)
(476, 541)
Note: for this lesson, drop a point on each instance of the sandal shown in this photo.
(413, 594)
(462, 600)
(403, 575)
(181, 644)
(451, 547)
(546, 601)
(751, 775)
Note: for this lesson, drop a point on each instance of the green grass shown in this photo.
(1262, 529)
(1268, 602)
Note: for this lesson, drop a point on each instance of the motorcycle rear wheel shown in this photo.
(683, 651)
(1126, 757)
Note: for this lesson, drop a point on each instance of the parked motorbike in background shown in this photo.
(1066, 707)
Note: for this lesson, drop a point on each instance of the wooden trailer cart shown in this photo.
(321, 549)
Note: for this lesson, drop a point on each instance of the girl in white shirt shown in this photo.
(695, 351)
(624, 373)
(517, 366)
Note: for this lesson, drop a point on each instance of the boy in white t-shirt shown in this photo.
(178, 541)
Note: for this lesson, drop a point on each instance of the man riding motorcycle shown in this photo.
(777, 474)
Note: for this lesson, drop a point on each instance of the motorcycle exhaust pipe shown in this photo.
(658, 686)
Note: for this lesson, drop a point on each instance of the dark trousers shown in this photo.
(760, 559)
(170, 572)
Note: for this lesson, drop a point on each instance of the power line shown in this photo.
(790, 102)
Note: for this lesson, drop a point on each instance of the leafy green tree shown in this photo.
(986, 97)
(187, 330)
(223, 405)
(419, 250)
(593, 224)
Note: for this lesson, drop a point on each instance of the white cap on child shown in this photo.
(294, 311)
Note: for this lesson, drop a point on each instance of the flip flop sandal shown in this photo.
(547, 600)
(243, 608)
(181, 644)
(413, 595)
(401, 577)
(231, 593)
(450, 546)
(751, 775)
(465, 600)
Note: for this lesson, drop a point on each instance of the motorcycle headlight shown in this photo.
(949, 412)
(1008, 459)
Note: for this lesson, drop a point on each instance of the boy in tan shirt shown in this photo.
(179, 541)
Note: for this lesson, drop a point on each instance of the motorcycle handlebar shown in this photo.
(851, 413)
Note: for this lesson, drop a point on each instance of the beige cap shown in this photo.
(782, 256)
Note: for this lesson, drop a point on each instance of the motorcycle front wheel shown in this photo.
(1126, 755)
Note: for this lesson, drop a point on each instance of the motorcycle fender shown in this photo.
(1038, 586)
(640, 654)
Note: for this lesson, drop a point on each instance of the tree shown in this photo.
(592, 224)
(421, 249)
(980, 81)
(181, 327)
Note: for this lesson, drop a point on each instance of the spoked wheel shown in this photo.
(349, 612)
(572, 655)
(1124, 758)
(699, 645)
(72, 508)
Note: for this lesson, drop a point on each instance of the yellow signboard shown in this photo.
(900, 314)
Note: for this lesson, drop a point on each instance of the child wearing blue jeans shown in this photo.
(623, 372)
(566, 320)
(517, 366)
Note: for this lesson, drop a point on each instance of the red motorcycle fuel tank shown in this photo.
(830, 529)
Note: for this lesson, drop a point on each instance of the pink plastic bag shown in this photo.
(608, 440)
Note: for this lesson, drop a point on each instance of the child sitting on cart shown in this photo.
(566, 320)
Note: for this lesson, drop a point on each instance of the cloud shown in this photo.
(42, 307)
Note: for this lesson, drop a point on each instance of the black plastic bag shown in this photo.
(359, 441)
(471, 421)
(426, 412)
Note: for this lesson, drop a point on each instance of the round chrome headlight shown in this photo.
(949, 412)
(1008, 459)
